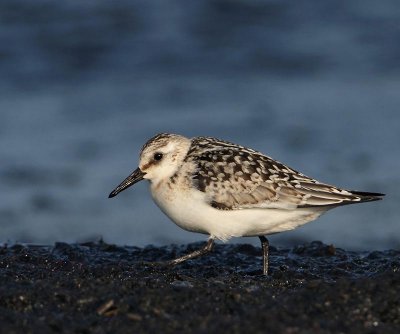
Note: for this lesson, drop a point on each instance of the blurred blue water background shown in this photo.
(83, 84)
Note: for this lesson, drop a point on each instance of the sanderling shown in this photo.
(224, 190)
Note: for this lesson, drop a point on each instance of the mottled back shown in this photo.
(235, 177)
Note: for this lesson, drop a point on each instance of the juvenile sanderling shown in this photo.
(224, 190)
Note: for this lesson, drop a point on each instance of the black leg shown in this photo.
(265, 249)
(206, 249)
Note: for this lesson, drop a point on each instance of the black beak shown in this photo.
(136, 176)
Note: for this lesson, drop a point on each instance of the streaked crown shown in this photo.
(162, 156)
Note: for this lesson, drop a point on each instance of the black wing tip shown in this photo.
(368, 196)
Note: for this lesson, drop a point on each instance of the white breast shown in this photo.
(189, 209)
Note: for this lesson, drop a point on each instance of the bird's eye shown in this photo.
(158, 156)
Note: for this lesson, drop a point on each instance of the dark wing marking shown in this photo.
(235, 177)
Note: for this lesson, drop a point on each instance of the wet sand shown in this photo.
(103, 288)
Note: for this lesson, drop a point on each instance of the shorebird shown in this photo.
(224, 190)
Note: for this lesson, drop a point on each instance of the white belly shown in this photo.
(189, 210)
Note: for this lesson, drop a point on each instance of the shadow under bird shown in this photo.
(224, 190)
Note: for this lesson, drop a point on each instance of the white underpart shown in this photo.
(189, 209)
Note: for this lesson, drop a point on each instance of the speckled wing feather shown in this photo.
(235, 177)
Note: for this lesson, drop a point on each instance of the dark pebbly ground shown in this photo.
(102, 288)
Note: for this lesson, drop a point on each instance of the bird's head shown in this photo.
(160, 158)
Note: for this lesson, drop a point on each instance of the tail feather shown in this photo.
(352, 197)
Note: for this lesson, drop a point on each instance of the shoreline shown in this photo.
(104, 288)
